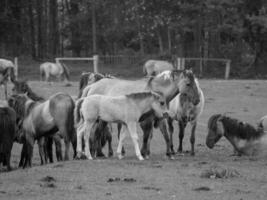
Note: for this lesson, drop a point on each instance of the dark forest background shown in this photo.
(45, 29)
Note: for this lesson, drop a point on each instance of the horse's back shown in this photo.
(5, 63)
(157, 66)
(116, 87)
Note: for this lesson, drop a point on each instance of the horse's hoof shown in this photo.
(146, 157)
(123, 152)
(140, 158)
(100, 154)
(110, 154)
(192, 153)
(171, 157)
(120, 156)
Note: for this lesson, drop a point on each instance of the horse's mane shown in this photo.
(162, 78)
(212, 121)
(23, 87)
(65, 71)
(142, 95)
(239, 129)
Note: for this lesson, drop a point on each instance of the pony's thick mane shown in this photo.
(212, 121)
(236, 128)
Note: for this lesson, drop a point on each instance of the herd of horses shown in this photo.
(163, 96)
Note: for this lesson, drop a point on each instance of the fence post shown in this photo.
(183, 63)
(16, 66)
(179, 63)
(96, 57)
(227, 69)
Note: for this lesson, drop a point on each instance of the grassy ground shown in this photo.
(157, 178)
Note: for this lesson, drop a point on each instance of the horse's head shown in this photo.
(19, 103)
(20, 87)
(159, 105)
(215, 130)
(188, 84)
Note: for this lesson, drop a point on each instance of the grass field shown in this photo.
(158, 177)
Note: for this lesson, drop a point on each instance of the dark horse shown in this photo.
(6, 71)
(7, 134)
(22, 87)
(40, 119)
(245, 139)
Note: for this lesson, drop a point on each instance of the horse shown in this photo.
(245, 138)
(40, 119)
(154, 67)
(22, 87)
(184, 110)
(87, 78)
(126, 109)
(58, 70)
(167, 83)
(7, 134)
(7, 70)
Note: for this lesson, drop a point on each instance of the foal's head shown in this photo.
(215, 130)
(19, 103)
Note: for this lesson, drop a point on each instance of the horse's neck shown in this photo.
(143, 105)
(29, 105)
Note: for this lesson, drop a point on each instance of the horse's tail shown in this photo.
(42, 73)
(83, 83)
(70, 121)
(77, 112)
(12, 74)
(66, 71)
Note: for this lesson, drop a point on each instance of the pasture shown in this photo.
(210, 174)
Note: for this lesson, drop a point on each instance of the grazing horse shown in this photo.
(126, 109)
(245, 139)
(154, 67)
(40, 119)
(7, 134)
(7, 70)
(87, 78)
(167, 83)
(22, 87)
(185, 110)
(59, 70)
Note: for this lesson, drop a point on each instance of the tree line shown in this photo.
(235, 29)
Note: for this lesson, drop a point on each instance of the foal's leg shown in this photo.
(170, 124)
(80, 132)
(192, 138)
(147, 127)
(86, 136)
(58, 146)
(29, 151)
(119, 131)
(109, 139)
(122, 137)
(182, 125)
(133, 132)
(163, 126)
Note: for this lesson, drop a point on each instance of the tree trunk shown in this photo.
(169, 40)
(160, 42)
(94, 27)
(32, 30)
(54, 40)
(40, 29)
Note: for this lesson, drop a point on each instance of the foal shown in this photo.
(245, 139)
(125, 109)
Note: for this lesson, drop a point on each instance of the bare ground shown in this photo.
(186, 177)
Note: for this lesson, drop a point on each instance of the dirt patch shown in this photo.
(219, 172)
(151, 188)
(202, 188)
(117, 179)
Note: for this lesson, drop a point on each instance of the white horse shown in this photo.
(154, 67)
(184, 110)
(7, 70)
(125, 109)
(48, 69)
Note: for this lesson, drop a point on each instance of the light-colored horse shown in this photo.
(184, 110)
(49, 69)
(125, 109)
(154, 67)
(7, 70)
(167, 83)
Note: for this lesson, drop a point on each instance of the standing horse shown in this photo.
(185, 110)
(154, 67)
(58, 70)
(126, 109)
(7, 70)
(167, 83)
(45, 118)
(22, 87)
(7, 134)
(245, 139)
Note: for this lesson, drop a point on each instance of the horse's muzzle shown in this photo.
(165, 115)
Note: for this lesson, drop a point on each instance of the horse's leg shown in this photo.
(182, 125)
(122, 137)
(80, 132)
(86, 136)
(22, 155)
(109, 139)
(163, 126)
(99, 136)
(133, 133)
(119, 131)
(49, 149)
(41, 145)
(56, 138)
(192, 138)
(29, 151)
(7, 157)
(147, 127)
(170, 124)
